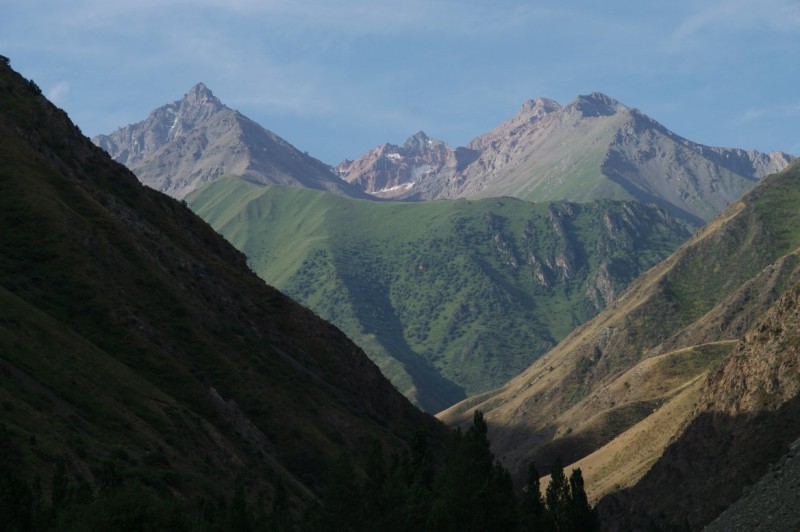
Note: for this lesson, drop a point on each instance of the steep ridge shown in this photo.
(747, 416)
(182, 145)
(448, 297)
(593, 148)
(135, 341)
(711, 290)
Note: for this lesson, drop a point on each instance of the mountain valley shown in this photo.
(672, 400)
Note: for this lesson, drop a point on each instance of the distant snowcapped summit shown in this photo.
(185, 144)
(392, 171)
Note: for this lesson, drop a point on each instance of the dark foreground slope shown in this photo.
(135, 343)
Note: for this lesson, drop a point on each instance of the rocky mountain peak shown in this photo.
(189, 142)
(200, 93)
(197, 105)
(597, 104)
(538, 107)
(419, 141)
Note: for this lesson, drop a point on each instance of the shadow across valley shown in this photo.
(705, 470)
(432, 392)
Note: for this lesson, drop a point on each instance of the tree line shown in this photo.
(466, 490)
(469, 491)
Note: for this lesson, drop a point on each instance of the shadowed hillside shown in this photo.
(136, 345)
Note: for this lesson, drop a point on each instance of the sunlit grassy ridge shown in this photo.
(449, 297)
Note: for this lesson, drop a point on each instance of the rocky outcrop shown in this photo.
(770, 504)
(417, 169)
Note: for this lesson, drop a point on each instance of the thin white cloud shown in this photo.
(58, 92)
(346, 17)
(775, 112)
(732, 16)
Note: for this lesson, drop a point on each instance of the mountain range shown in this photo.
(673, 399)
(552, 281)
(137, 347)
(593, 148)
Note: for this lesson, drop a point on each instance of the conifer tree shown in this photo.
(473, 491)
(557, 498)
(582, 516)
(533, 514)
(342, 496)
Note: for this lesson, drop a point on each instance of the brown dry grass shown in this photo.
(673, 381)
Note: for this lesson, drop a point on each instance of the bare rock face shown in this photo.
(593, 148)
(763, 371)
(418, 169)
(185, 144)
(138, 142)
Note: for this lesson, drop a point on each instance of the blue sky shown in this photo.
(338, 78)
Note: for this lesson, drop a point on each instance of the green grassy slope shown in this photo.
(132, 334)
(448, 297)
(567, 163)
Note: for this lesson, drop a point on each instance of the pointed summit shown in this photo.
(200, 94)
(419, 135)
(418, 141)
(185, 144)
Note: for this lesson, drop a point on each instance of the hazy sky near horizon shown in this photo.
(338, 78)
